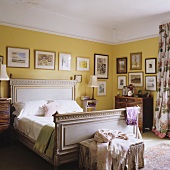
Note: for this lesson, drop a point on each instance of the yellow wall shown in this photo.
(33, 40)
(149, 49)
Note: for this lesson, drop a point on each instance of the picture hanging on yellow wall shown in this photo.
(136, 78)
(150, 83)
(101, 88)
(65, 61)
(44, 60)
(150, 65)
(78, 78)
(101, 66)
(121, 82)
(1, 59)
(136, 61)
(121, 65)
(83, 64)
(18, 57)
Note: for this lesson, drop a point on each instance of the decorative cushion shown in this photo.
(50, 109)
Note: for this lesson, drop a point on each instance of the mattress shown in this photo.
(32, 125)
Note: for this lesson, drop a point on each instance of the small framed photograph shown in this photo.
(150, 65)
(136, 61)
(136, 78)
(65, 61)
(78, 78)
(83, 64)
(1, 59)
(121, 80)
(101, 88)
(150, 83)
(121, 65)
(18, 57)
(44, 60)
(101, 66)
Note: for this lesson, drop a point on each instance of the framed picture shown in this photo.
(101, 66)
(150, 65)
(1, 59)
(78, 78)
(64, 61)
(101, 88)
(18, 57)
(136, 61)
(44, 60)
(121, 80)
(136, 78)
(150, 83)
(83, 64)
(121, 65)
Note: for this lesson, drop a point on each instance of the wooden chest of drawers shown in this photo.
(4, 118)
(146, 114)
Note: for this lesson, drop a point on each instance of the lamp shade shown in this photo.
(93, 81)
(3, 73)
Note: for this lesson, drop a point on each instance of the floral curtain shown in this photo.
(162, 111)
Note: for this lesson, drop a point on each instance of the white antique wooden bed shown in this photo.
(70, 128)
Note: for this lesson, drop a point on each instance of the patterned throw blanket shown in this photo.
(45, 140)
(112, 148)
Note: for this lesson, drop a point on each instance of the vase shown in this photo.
(130, 93)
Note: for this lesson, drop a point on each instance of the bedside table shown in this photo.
(89, 104)
(4, 120)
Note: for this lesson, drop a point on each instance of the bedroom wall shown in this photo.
(16, 37)
(149, 49)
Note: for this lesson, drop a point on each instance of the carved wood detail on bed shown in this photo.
(74, 128)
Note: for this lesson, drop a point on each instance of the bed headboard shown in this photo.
(36, 89)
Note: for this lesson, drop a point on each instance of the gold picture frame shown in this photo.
(44, 60)
(136, 61)
(18, 57)
(121, 64)
(136, 78)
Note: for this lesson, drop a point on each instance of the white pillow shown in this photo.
(50, 109)
(29, 108)
(67, 106)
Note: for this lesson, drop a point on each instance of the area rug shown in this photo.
(157, 157)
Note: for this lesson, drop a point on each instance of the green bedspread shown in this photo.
(45, 140)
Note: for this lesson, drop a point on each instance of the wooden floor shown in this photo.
(18, 157)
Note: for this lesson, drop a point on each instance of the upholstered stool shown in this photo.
(88, 156)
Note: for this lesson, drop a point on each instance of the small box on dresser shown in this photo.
(145, 120)
(4, 120)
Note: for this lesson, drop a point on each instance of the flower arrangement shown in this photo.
(131, 87)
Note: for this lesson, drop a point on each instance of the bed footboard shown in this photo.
(73, 128)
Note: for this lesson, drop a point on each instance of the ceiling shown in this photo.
(109, 15)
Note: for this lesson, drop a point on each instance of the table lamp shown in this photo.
(3, 75)
(93, 83)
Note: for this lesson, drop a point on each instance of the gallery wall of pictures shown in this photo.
(19, 57)
(136, 73)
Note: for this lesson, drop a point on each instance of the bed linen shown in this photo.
(32, 125)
